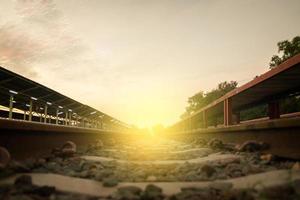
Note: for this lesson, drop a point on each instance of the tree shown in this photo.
(201, 99)
(288, 50)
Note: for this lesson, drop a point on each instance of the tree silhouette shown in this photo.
(288, 50)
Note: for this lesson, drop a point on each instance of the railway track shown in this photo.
(147, 167)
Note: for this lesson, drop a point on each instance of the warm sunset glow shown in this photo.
(141, 60)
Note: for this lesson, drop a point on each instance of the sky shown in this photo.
(140, 60)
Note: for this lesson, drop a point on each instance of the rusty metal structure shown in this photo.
(268, 88)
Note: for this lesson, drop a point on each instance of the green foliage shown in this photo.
(288, 50)
(254, 112)
(201, 99)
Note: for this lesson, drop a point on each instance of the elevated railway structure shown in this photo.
(221, 118)
(35, 118)
(26, 100)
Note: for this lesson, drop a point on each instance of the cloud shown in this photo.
(38, 35)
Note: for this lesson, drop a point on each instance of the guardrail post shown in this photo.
(273, 110)
(11, 103)
(227, 112)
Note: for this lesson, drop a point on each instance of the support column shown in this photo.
(24, 118)
(101, 124)
(66, 118)
(70, 118)
(30, 110)
(273, 110)
(11, 104)
(46, 113)
(227, 112)
(56, 117)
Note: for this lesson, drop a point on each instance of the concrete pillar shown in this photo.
(273, 110)
(11, 104)
(228, 112)
(24, 118)
(30, 110)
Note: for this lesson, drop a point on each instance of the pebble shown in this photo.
(127, 193)
(216, 144)
(252, 146)
(234, 170)
(24, 180)
(68, 149)
(4, 157)
(110, 182)
(152, 192)
(296, 166)
(268, 157)
(208, 170)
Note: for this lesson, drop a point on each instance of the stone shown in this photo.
(229, 146)
(234, 170)
(296, 166)
(253, 146)
(208, 170)
(216, 144)
(152, 192)
(4, 157)
(200, 141)
(268, 157)
(127, 193)
(104, 174)
(68, 149)
(19, 167)
(24, 180)
(110, 182)
(44, 191)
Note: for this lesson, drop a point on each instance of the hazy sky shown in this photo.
(139, 60)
